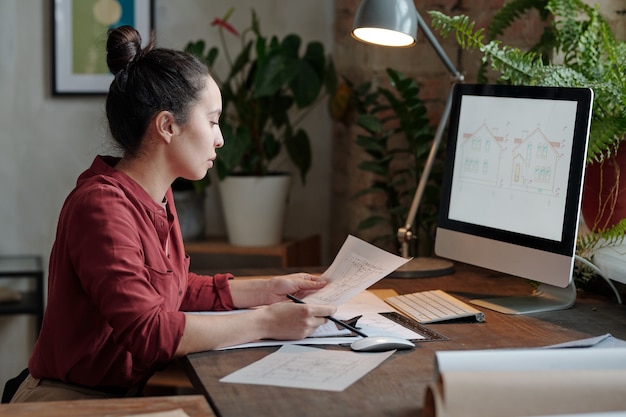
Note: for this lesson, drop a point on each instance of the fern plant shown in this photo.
(591, 57)
(396, 136)
(506, 16)
(578, 49)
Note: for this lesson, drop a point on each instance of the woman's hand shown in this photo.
(248, 293)
(279, 318)
(298, 285)
(281, 321)
(291, 321)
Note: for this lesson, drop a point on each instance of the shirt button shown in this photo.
(180, 293)
(162, 224)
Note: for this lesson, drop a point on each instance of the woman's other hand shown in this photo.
(298, 285)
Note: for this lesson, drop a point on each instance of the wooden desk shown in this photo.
(193, 405)
(396, 388)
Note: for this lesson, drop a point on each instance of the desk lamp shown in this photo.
(394, 23)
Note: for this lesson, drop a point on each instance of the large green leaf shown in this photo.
(306, 85)
(290, 46)
(236, 143)
(277, 71)
(370, 123)
(271, 145)
(314, 56)
(299, 149)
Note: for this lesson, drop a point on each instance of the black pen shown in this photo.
(331, 318)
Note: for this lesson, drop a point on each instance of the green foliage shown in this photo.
(396, 136)
(579, 35)
(463, 28)
(507, 15)
(590, 242)
(512, 11)
(269, 89)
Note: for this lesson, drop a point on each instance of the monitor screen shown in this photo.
(512, 184)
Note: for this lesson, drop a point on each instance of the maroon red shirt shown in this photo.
(118, 282)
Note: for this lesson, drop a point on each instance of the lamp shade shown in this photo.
(386, 22)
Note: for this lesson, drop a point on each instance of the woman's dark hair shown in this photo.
(147, 81)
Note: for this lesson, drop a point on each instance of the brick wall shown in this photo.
(360, 62)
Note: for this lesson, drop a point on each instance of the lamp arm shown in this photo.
(404, 233)
(457, 76)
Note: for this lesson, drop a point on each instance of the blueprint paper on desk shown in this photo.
(371, 323)
(357, 266)
(306, 367)
(603, 341)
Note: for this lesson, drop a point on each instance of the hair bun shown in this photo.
(123, 47)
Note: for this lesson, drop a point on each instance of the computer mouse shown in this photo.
(381, 344)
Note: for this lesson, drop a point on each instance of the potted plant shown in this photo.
(396, 136)
(578, 49)
(271, 86)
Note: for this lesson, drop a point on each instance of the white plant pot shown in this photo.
(254, 209)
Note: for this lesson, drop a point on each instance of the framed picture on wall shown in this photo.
(79, 40)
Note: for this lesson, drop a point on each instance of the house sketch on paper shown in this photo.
(526, 162)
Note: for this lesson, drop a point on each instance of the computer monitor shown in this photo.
(512, 187)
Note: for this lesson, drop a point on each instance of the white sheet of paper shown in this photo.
(179, 412)
(306, 367)
(372, 323)
(357, 266)
(330, 329)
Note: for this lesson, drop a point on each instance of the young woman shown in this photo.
(118, 278)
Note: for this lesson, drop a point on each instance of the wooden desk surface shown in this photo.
(193, 405)
(396, 388)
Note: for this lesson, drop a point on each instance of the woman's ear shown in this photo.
(165, 125)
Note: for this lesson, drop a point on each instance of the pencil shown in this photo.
(331, 318)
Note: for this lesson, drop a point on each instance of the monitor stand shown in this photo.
(545, 298)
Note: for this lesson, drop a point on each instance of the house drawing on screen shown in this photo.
(525, 162)
(482, 153)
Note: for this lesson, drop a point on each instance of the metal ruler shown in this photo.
(409, 323)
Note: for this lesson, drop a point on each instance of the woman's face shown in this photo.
(201, 135)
